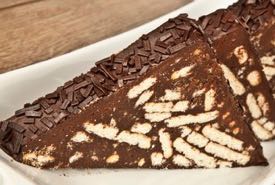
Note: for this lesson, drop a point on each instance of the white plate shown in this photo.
(27, 84)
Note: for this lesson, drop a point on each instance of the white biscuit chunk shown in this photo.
(144, 97)
(75, 157)
(241, 54)
(134, 139)
(157, 159)
(227, 154)
(190, 119)
(209, 100)
(142, 128)
(253, 107)
(138, 89)
(222, 138)
(157, 117)
(234, 83)
(101, 130)
(182, 72)
(201, 159)
(181, 161)
(166, 143)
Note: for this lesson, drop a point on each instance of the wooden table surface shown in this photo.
(36, 30)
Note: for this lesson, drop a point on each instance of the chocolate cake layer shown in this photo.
(180, 114)
(242, 68)
(258, 17)
(106, 77)
(161, 103)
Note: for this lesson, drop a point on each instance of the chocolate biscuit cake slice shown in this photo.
(258, 17)
(160, 103)
(242, 68)
(179, 115)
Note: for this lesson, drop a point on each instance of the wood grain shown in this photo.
(4, 4)
(36, 31)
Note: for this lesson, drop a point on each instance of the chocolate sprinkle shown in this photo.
(59, 117)
(49, 110)
(165, 37)
(44, 104)
(17, 143)
(41, 126)
(65, 104)
(147, 45)
(81, 84)
(31, 113)
(4, 125)
(85, 92)
(252, 13)
(20, 112)
(217, 23)
(52, 95)
(143, 70)
(107, 72)
(16, 127)
(33, 107)
(160, 49)
(32, 128)
(176, 48)
(47, 122)
(86, 102)
(26, 120)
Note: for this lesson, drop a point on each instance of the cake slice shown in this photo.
(160, 103)
(242, 68)
(258, 17)
(179, 115)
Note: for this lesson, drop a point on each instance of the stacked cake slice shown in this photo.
(242, 68)
(163, 102)
(258, 17)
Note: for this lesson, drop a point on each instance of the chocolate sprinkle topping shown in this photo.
(254, 13)
(218, 23)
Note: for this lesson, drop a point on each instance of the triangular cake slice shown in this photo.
(258, 17)
(160, 103)
(179, 115)
(242, 68)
